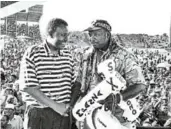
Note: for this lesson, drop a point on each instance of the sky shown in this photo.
(125, 16)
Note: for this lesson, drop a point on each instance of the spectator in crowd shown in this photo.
(13, 78)
(48, 87)
(2, 77)
(2, 91)
(15, 121)
(10, 96)
(16, 89)
(4, 122)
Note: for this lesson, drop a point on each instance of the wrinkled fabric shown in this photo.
(44, 118)
(125, 63)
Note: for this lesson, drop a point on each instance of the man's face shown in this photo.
(2, 82)
(19, 96)
(164, 109)
(164, 102)
(60, 36)
(4, 121)
(98, 38)
(16, 87)
(17, 110)
(154, 98)
(8, 111)
(9, 92)
(168, 84)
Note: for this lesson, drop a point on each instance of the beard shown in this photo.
(60, 44)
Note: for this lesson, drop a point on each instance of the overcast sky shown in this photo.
(125, 16)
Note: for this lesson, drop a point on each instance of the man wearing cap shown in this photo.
(4, 122)
(105, 47)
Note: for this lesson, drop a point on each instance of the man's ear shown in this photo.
(108, 35)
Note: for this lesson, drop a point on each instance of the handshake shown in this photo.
(111, 101)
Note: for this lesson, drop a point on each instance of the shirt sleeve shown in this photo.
(27, 71)
(133, 72)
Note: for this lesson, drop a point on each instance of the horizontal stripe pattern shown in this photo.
(54, 74)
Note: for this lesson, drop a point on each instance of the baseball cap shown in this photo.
(9, 106)
(99, 24)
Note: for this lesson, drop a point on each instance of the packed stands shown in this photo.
(155, 100)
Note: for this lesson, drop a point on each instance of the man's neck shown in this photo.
(52, 48)
(106, 46)
(51, 45)
(11, 117)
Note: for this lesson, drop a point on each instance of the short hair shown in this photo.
(48, 25)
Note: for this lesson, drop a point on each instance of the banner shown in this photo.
(113, 83)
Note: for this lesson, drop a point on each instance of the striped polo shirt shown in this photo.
(52, 74)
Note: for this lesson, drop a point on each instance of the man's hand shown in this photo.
(68, 110)
(61, 108)
(111, 101)
(42, 98)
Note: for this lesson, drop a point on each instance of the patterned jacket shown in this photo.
(125, 63)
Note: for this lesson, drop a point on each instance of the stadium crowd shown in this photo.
(155, 100)
(21, 28)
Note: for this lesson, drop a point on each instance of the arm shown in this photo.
(132, 91)
(134, 78)
(39, 96)
(75, 93)
(30, 83)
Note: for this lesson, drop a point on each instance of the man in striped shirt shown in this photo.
(47, 77)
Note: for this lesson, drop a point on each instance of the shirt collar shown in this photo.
(112, 45)
(47, 49)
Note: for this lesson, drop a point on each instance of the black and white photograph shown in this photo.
(85, 64)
